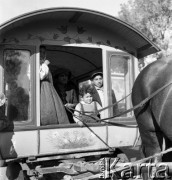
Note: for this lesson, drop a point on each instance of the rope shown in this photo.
(110, 148)
(102, 120)
(107, 107)
(141, 104)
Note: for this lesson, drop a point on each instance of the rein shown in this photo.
(141, 104)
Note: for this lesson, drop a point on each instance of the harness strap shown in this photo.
(133, 108)
(143, 102)
(114, 103)
(104, 107)
(112, 123)
(110, 148)
(140, 104)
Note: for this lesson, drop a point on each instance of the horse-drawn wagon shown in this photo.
(83, 42)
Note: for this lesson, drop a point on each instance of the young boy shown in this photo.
(87, 107)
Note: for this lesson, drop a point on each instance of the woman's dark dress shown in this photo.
(52, 108)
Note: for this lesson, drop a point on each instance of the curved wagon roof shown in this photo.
(126, 33)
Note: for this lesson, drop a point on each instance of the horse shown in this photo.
(154, 118)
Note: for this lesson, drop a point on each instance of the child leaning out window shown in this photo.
(86, 109)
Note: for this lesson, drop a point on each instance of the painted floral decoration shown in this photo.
(71, 140)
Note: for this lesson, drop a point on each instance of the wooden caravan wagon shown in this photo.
(82, 41)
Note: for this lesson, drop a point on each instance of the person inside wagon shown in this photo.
(86, 109)
(66, 90)
(52, 109)
(98, 91)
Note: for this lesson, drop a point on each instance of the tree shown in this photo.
(152, 17)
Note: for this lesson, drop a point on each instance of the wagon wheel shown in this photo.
(14, 171)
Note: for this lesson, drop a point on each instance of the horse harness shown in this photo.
(140, 105)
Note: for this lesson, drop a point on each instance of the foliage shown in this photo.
(151, 17)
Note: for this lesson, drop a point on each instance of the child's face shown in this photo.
(87, 98)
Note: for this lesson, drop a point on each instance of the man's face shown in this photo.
(98, 81)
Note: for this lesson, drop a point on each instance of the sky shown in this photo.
(12, 8)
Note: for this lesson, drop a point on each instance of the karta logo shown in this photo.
(109, 169)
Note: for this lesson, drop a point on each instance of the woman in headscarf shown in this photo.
(52, 109)
(66, 90)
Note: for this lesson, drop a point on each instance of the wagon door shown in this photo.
(120, 74)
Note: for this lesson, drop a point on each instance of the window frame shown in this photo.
(109, 54)
(32, 50)
(78, 80)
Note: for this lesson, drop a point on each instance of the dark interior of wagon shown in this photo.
(81, 61)
(78, 63)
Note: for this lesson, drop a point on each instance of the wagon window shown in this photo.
(17, 84)
(120, 78)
